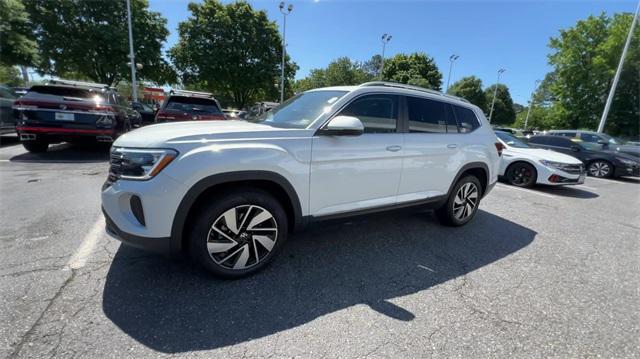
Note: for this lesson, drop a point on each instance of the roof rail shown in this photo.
(191, 93)
(77, 84)
(411, 87)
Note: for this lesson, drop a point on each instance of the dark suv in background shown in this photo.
(599, 161)
(189, 106)
(71, 111)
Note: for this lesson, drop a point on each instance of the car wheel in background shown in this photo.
(522, 174)
(462, 204)
(36, 146)
(600, 168)
(238, 233)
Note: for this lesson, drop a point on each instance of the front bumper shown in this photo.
(625, 170)
(158, 245)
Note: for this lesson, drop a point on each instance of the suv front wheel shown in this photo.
(462, 204)
(239, 233)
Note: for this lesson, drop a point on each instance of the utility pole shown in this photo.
(385, 40)
(452, 58)
(495, 92)
(134, 85)
(607, 106)
(284, 44)
(526, 120)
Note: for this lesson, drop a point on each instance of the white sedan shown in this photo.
(524, 166)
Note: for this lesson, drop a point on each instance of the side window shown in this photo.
(536, 140)
(559, 141)
(467, 120)
(587, 137)
(378, 113)
(426, 115)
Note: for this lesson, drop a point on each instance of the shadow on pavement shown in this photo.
(566, 191)
(9, 140)
(172, 307)
(67, 153)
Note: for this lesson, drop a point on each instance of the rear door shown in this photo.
(431, 147)
(350, 173)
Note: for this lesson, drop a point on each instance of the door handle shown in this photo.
(394, 148)
(452, 145)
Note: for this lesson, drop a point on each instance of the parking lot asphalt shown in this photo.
(544, 272)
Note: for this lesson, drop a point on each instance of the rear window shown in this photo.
(467, 119)
(192, 105)
(57, 93)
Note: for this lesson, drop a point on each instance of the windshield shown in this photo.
(192, 105)
(301, 110)
(612, 140)
(510, 140)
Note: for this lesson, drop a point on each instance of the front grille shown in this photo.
(573, 169)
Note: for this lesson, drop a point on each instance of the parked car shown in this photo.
(613, 143)
(232, 114)
(524, 166)
(229, 192)
(259, 109)
(71, 111)
(599, 162)
(147, 113)
(20, 91)
(189, 106)
(7, 122)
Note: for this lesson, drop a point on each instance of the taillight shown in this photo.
(499, 148)
(162, 116)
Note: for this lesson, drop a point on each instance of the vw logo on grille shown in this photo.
(63, 107)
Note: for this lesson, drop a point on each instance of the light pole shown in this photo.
(385, 39)
(284, 44)
(526, 119)
(452, 58)
(134, 86)
(607, 106)
(495, 92)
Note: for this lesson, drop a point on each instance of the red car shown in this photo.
(189, 106)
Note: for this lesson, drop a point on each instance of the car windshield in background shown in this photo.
(192, 105)
(612, 140)
(57, 93)
(301, 110)
(511, 140)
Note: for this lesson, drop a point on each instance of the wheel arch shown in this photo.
(478, 169)
(271, 182)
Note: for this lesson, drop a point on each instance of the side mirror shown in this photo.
(343, 126)
(575, 148)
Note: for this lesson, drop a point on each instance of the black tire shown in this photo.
(600, 169)
(36, 146)
(449, 213)
(521, 174)
(244, 203)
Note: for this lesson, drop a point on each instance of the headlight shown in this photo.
(627, 162)
(557, 165)
(139, 164)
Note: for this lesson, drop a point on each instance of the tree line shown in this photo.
(235, 51)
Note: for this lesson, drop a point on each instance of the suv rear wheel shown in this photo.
(36, 146)
(462, 204)
(239, 233)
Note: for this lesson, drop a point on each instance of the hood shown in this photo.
(197, 131)
(628, 149)
(541, 154)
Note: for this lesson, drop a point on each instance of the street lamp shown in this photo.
(526, 119)
(385, 39)
(495, 92)
(284, 12)
(452, 58)
(134, 86)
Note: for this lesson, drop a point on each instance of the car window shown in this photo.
(427, 115)
(192, 105)
(560, 141)
(511, 140)
(467, 119)
(588, 137)
(538, 140)
(378, 113)
(59, 93)
(565, 134)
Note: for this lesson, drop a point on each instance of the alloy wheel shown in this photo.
(242, 237)
(599, 169)
(465, 201)
(521, 175)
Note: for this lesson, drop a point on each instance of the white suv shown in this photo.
(230, 192)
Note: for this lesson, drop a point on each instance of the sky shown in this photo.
(487, 35)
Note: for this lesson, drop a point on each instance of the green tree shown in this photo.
(470, 88)
(232, 50)
(340, 72)
(503, 112)
(585, 58)
(10, 75)
(90, 38)
(17, 44)
(373, 66)
(414, 69)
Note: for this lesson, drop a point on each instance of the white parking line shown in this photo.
(500, 185)
(586, 187)
(79, 258)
